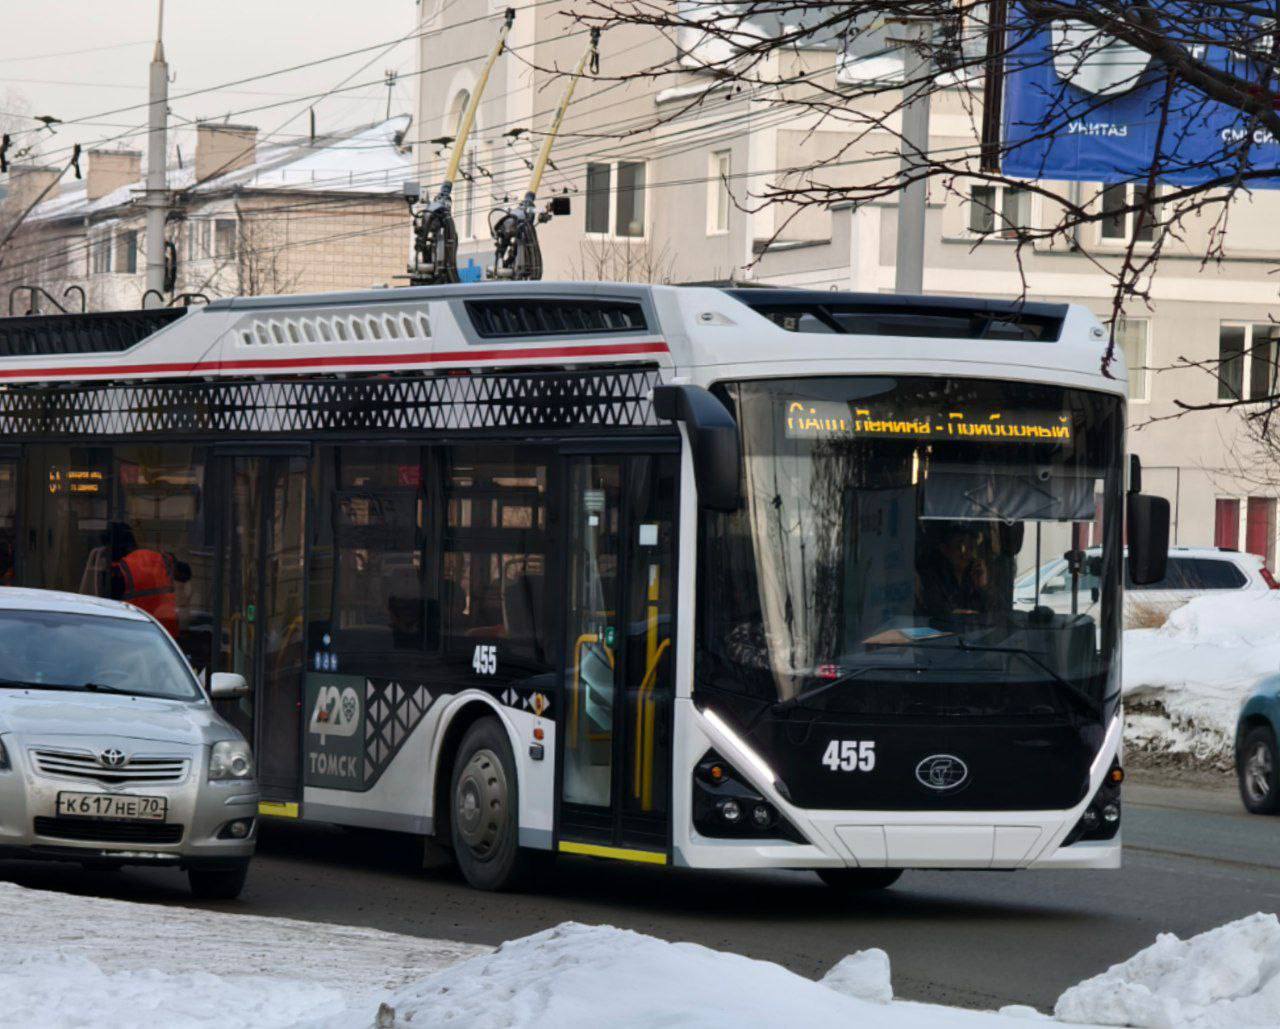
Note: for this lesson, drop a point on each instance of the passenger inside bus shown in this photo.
(147, 579)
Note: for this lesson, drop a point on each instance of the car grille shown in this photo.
(107, 832)
(135, 771)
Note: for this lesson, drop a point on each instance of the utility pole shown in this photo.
(391, 76)
(156, 196)
(916, 84)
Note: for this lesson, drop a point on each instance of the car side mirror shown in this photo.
(226, 685)
(1147, 522)
(713, 440)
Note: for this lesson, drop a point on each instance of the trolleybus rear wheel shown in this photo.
(485, 809)
(859, 880)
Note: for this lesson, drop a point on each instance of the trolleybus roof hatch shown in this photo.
(873, 314)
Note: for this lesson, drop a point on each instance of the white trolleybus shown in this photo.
(687, 576)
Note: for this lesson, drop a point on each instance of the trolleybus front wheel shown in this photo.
(859, 880)
(486, 834)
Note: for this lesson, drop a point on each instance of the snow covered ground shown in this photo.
(1185, 681)
(84, 961)
(70, 961)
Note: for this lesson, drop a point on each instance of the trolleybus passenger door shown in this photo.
(262, 627)
(615, 718)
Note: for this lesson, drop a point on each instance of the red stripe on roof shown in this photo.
(366, 361)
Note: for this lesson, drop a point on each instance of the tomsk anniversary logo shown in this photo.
(335, 737)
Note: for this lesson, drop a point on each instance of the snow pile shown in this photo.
(1227, 978)
(864, 975)
(1185, 681)
(68, 961)
(579, 975)
(85, 961)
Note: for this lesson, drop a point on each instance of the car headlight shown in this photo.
(231, 759)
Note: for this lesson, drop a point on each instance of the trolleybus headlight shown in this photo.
(730, 811)
(761, 816)
(1101, 819)
(230, 759)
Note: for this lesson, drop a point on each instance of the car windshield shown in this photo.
(90, 653)
(889, 540)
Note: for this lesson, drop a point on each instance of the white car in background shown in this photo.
(1192, 572)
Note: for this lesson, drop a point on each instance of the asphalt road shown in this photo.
(1193, 861)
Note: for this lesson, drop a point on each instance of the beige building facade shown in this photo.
(248, 216)
(667, 178)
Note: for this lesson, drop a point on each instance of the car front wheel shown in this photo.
(1257, 767)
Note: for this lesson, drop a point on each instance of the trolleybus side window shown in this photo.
(493, 589)
(130, 523)
(378, 512)
(8, 521)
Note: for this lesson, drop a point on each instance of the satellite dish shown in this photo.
(1095, 62)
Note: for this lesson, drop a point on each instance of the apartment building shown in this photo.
(248, 216)
(665, 177)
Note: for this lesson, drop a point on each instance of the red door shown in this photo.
(1260, 528)
(1226, 524)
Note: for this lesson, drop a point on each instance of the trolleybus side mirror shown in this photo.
(225, 685)
(713, 440)
(559, 206)
(1147, 521)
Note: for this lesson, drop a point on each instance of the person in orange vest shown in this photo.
(146, 578)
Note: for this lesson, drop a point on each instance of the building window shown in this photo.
(224, 238)
(718, 199)
(598, 198)
(1120, 224)
(127, 251)
(999, 211)
(100, 254)
(198, 238)
(625, 216)
(1133, 337)
(1248, 355)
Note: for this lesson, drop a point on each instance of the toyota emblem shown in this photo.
(942, 772)
(112, 758)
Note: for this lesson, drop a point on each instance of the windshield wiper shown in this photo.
(102, 687)
(91, 687)
(817, 691)
(1082, 699)
(22, 684)
(1090, 705)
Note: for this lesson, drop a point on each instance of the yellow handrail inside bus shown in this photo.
(646, 717)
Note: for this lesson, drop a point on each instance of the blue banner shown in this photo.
(1079, 106)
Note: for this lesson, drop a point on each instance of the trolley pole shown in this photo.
(912, 194)
(155, 198)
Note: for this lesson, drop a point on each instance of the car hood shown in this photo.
(49, 713)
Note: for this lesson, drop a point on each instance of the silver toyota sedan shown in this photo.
(110, 751)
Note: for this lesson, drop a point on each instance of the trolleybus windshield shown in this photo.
(885, 522)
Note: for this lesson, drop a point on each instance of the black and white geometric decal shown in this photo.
(615, 398)
(392, 710)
